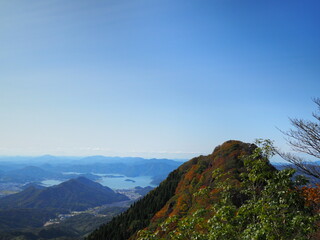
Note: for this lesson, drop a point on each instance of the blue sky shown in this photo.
(167, 78)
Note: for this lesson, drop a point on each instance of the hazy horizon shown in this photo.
(83, 156)
(22, 158)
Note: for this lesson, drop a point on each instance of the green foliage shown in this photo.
(271, 207)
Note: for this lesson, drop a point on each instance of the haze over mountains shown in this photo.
(23, 169)
(28, 174)
(15, 172)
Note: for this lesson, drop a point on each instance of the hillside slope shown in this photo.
(233, 193)
(75, 194)
(174, 195)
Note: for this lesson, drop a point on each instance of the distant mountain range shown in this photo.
(75, 194)
(28, 174)
(58, 160)
(133, 167)
(50, 167)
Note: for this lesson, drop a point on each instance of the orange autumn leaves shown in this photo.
(312, 196)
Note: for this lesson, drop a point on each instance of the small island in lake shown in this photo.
(130, 180)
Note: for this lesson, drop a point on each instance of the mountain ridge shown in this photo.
(165, 200)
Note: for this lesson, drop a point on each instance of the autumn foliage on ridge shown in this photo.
(199, 175)
(229, 190)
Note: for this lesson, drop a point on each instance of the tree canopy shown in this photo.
(267, 204)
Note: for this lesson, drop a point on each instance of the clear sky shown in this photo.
(167, 78)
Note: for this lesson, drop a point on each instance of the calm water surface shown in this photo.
(121, 183)
(114, 181)
(50, 182)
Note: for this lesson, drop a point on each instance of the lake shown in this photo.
(50, 182)
(114, 181)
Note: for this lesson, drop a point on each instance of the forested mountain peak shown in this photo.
(233, 193)
(198, 175)
(166, 200)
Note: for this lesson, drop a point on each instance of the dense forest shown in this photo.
(140, 213)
